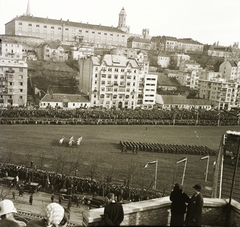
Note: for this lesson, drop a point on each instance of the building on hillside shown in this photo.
(82, 50)
(188, 45)
(52, 51)
(65, 101)
(174, 45)
(181, 102)
(65, 30)
(230, 69)
(163, 60)
(178, 58)
(10, 49)
(171, 73)
(216, 50)
(13, 82)
(139, 43)
(222, 94)
(114, 81)
(124, 51)
(190, 74)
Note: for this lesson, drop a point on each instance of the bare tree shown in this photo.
(59, 161)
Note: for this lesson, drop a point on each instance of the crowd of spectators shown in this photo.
(52, 182)
(16, 115)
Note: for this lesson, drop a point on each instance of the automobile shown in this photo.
(32, 186)
(9, 181)
(97, 201)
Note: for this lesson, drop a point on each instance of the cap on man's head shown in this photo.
(177, 186)
(6, 207)
(110, 196)
(197, 187)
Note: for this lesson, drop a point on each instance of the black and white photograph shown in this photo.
(120, 113)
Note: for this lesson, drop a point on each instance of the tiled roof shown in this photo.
(118, 60)
(199, 102)
(174, 99)
(65, 98)
(233, 63)
(139, 40)
(67, 23)
(189, 40)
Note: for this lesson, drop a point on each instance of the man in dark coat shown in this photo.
(195, 205)
(113, 212)
(178, 206)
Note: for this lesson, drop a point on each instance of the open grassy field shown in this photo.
(99, 154)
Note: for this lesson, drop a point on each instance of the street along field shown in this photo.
(99, 155)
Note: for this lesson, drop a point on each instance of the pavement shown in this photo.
(40, 200)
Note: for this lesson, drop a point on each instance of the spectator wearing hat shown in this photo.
(8, 223)
(7, 210)
(195, 205)
(55, 215)
(178, 205)
(113, 212)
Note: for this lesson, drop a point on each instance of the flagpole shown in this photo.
(184, 171)
(155, 181)
(207, 169)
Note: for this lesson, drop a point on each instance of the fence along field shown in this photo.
(99, 156)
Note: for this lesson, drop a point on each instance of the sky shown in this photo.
(206, 21)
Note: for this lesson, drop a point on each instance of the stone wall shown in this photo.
(156, 212)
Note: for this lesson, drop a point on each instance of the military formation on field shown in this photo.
(165, 148)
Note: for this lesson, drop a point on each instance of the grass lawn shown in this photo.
(99, 154)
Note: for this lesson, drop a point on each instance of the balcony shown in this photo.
(156, 212)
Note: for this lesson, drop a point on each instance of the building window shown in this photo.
(99, 33)
(21, 83)
(80, 30)
(45, 26)
(52, 27)
(21, 90)
(59, 28)
(105, 33)
(37, 25)
(86, 31)
(29, 24)
(20, 23)
(66, 29)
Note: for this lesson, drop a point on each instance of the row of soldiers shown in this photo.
(165, 148)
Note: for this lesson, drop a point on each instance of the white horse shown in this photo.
(61, 141)
(79, 141)
(71, 141)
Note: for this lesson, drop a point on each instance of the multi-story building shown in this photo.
(53, 51)
(117, 81)
(172, 44)
(230, 69)
(10, 49)
(163, 60)
(219, 51)
(13, 82)
(222, 94)
(65, 30)
(190, 71)
(139, 43)
(82, 50)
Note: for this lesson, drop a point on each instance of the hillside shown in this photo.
(42, 74)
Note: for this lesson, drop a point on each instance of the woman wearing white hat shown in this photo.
(7, 210)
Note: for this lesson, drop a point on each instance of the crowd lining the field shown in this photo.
(122, 116)
(53, 182)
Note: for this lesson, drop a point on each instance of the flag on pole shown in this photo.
(150, 163)
(182, 160)
(205, 157)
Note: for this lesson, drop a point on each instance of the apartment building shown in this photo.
(10, 49)
(115, 81)
(230, 69)
(222, 93)
(13, 82)
(189, 75)
(68, 31)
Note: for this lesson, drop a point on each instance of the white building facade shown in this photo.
(13, 82)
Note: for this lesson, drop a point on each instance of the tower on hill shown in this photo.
(122, 21)
(28, 12)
